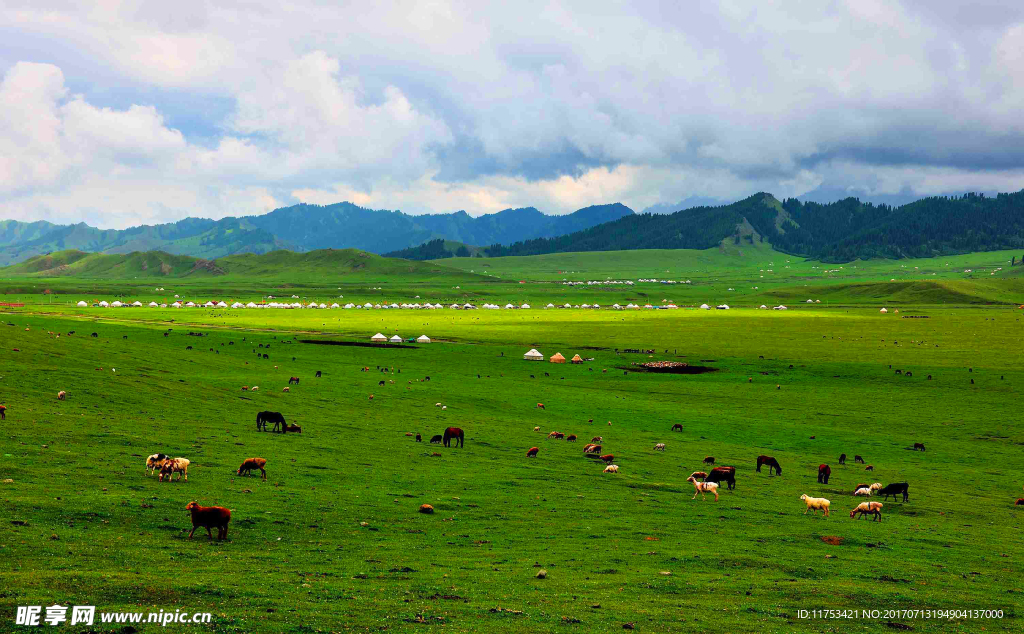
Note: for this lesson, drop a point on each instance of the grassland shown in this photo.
(333, 541)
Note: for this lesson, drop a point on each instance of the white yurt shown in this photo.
(222, 305)
(423, 339)
(525, 306)
(722, 307)
(153, 304)
(138, 304)
(550, 306)
(190, 305)
(705, 307)
(763, 307)
(104, 304)
(810, 301)
(335, 305)
(163, 305)
(395, 339)
(533, 355)
(379, 338)
(780, 307)
(238, 305)
(176, 305)
(251, 305)
(883, 311)
(82, 305)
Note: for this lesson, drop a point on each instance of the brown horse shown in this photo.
(771, 462)
(824, 473)
(677, 427)
(723, 474)
(457, 434)
(294, 380)
(3, 412)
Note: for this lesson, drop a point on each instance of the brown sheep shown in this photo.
(253, 463)
(245, 388)
(540, 405)
(597, 439)
(209, 517)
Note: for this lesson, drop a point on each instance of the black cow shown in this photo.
(723, 474)
(842, 458)
(436, 440)
(318, 374)
(894, 490)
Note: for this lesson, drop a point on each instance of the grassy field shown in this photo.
(333, 540)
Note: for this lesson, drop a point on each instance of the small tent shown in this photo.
(396, 339)
(557, 358)
(104, 304)
(423, 339)
(533, 355)
(115, 304)
(763, 307)
(153, 304)
(138, 304)
(705, 307)
(577, 359)
(82, 305)
(883, 311)
(378, 338)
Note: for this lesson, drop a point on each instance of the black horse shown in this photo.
(269, 417)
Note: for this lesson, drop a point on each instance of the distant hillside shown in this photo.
(837, 232)
(436, 250)
(298, 228)
(278, 265)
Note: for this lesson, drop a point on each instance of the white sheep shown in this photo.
(659, 447)
(612, 468)
(61, 395)
(868, 508)
(703, 487)
(444, 407)
(536, 429)
(875, 487)
(254, 388)
(814, 504)
(154, 462)
(863, 491)
(437, 405)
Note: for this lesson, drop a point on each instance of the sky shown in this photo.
(119, 113)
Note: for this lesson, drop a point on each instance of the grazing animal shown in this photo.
(437, 405)
(771, 462)
(61, 395)
(154, 462)
(709, 460)
(570, 438)
(286, 389)
(95, 334)
(556, 435)
(608, 458)
(266, 356)
(814, 504)
(677, 427)
(875, 487)
(699, 474)
(824, 473)
(858, 459)
(319, 374)
(868, 508)
(245, 388)
(896, 489)
(918, 446)
(444, 407)
(659, 447)
(3, 412)
(1019, 502)
(700, 488)
(612, 468)
(863, 491)
(254, 388)
(294, 380)
(597, 439)
(186, 347)
(380, 384)
(540, 405)
(842, 458)
(172, 466)
(592, 449)
(536, 429)
(457, 434)
(532, 452)
(870, 467)
(723, 474)
(209, 517)
(269, 417)
(436, 440)
(253, 463)
(295, 429)
(371, 397)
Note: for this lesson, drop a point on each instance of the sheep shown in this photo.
(703, 487)
(612, 468)
(154, 462)
(245, 388)
(592, 449)
(444, 407)
(437, 405)
(556, 435)
(868, 508)
(540, 405)
(608, 458)
(253, 463)
(875, 487)
(813, 504)
(536, 429)
(659, 447)
(698, 474)
(286, 389)
(61, 395)
(209, 517)
(597, 439)
(254, 388)
(172, 466)
(863, 491)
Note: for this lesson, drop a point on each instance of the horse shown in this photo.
(457, 434)
(723, 474)
(842, 458)
(771, 462)
(824, 473)
(3, 412)
(677, 427)
(269, 417)
(294, 380)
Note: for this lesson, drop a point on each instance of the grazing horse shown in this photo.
(842, 458)
(436, 440)
(918, 445)
(457, 434)
(677, 427)
(771, 462)
(824, 473)
(318, 374)
(858, 459)
(294, 380)
(709, 460)
(269, 417)
(723, 474)
(3, 412)
(532, 452)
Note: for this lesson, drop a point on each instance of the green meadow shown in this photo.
(333, 540)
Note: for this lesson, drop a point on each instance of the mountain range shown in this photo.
(299, 228)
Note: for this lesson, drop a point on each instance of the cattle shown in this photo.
(570, 438)
(95, 334)
(294, 380)
(771, 462)
(209, 517)
(597, 439)
(3, 412)
(318, 374)
(419, 438)
(870, 467)
(699, 474)
(858, 459)
(457, 434)
(436, 440)
(154, 462)
(380, 384)
(557, 435)
(266, 356)
(245, 388)
(540, 405)
(532, 452)
(263, 418)
(709, 460)
(172, 466)
(824, 473)
(842, 458)
(677, 427)
(918, 446)
(723, 474)
(253, 463)
(895, 489)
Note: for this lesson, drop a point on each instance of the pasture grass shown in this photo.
(333, 540)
